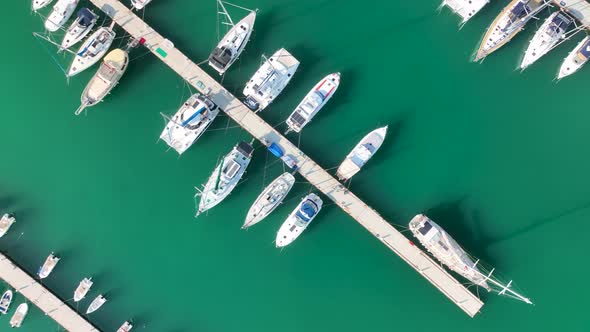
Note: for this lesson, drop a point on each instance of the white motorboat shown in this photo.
(19, 315)
(84, 22)
(189, 123)
(38, 4)
(232, 44)
(62, 11)
(92, 50)
(5, 223)
(226, 176)
(140, 4)
(83, 289)
(507, 24)
(48, 266)
(465, 8)
(106, 78)
(549, 34)
(313, 102)
(270, 79)
(270, 198)
(96, 304)
(298, 220)
(126, 327)
(361, 153)
(5, 301)
(576, 59)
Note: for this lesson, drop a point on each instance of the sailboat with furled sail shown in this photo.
(82, 25)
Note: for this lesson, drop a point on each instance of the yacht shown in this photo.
(465, 8)
(106, 78)
(62, 11)
(270, 198)
(5, 301)
(38, 4)
(126, 327)
(298, 220)
(361, 153)
(96, 304)
(82, 289)
(576, 59)
(507, 24)
(189, 123)
(140, 4)
(313, 102)
(5, 223)
(232, 44)
(19, 315)
(84, 22)
(48, 266)
(226, 176)
(549, 34)
(92, 50)
(270, 79)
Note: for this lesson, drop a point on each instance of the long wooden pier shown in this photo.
(37, 294)
(164, 49)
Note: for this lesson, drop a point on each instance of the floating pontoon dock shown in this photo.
(316, 175)
(40, 296)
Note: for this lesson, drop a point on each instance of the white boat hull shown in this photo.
(232, 44)
(5, 223)
(576, 59)
(48, 266)
(297, 221)
(61, 13)
(20, 314)
(5, 302)
(270, 198)
(548, 35)
(82, 289)
(361, 153)
(38, 4)
(76, 33)
(140, 4)
(96, 304)
(92, 50)
(126, 327)
(466, 9)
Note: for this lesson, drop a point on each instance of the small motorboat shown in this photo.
(5, 223)
(298, 220)
(85, 21)
(270, 198)
(140, 4)
(82, 289)
(5, 301)
(233, 43)
(48, 266)
(38, 4)
(62, 11)
(361, 153)
(126, 327)
(19, 315)
(96, 304)
(92, 50)
(576, 59)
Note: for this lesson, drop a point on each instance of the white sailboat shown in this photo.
(270, 79)
(576, 59)
(233, 43)
(61, 13)
(126, 327)
(140, 4)
(549, 34)
(298, 220)
(84, 22)
(189, 123)
(270, 198)
(106, 78)
(5, 301)
(313, 102)
(361, 153)
(48, 266)
(83, 289)
(19, 315)
(96, 304)
(225, 177)
(465, 8)
(92, 50)
(38, 4)
(5, 223)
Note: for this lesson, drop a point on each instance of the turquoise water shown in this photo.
(495, 156)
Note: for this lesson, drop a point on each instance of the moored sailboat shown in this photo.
(298, 220)
(47, 267)
(549, 34)
(96, 304)
(61, 13)
(575, 59)
(361, 153)
(83, 289)
(270, 198)
(5, 223)
(5, 301)
(92, 50)
(85, 21)
(19, 315)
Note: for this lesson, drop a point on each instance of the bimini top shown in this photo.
(518, 11)
(559, 23)
(308, 210)
(85, 17)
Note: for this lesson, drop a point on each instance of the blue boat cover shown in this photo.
(276, 150)
(519, 10)
(85, 16)
(307, 211)
(192, 117)
(585, 50)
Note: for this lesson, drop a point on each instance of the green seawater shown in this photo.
(497, 157)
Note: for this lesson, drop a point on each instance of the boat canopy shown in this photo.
(519, 11)
(307, 211)
(276, 150)
(85, 17)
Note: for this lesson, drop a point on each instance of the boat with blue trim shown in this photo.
(5, 223)
(92, 50)
(5, 301)
(48, 266)
(298, 220)
(82, 25)
(548, 36)
(576, 59)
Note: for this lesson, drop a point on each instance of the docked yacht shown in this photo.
(298, 220)
(313, 102)
(126, 327)
(5, 223)
(19, 315)
(106, 78)
(232, 44)
(140, 4)
(465, 8)
(270, 198)
(38, 4)
(92, 50)
(62, 11)
(270, 79)
(507, 24)
(361, 153)
(576, 59)
(549, 34)
(5, 301)
(189, 123)
(96, 304)
(226, 176)
(48, 266)
(85, 21)
(82, 289)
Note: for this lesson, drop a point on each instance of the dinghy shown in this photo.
(62, 11)
(5, 223)
(270, 198)
(298, 220)
(80, 28)
(126, 327)
(82, 289)
(361, 153)
(96, 304)
(19, 315)
(48, 266)
(92, 50)
(5, 301)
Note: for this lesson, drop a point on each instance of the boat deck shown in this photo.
(310, 170)
(578, 9)
(42, 297)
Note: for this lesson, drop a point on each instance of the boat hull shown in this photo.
(548, 35)
(5, 302)
(361, 154)
(232, 44)
(466, 9)
(92, 50)
(5, 223)
(48, 266)
(76, 33)
(62, 11)
(20, 314)
(38, 4)
(576, 59)
(293, 226)
(270, 198)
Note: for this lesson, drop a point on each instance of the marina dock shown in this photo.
(42, 297)
(366, 216)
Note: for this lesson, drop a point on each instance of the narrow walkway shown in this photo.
(316, 175)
